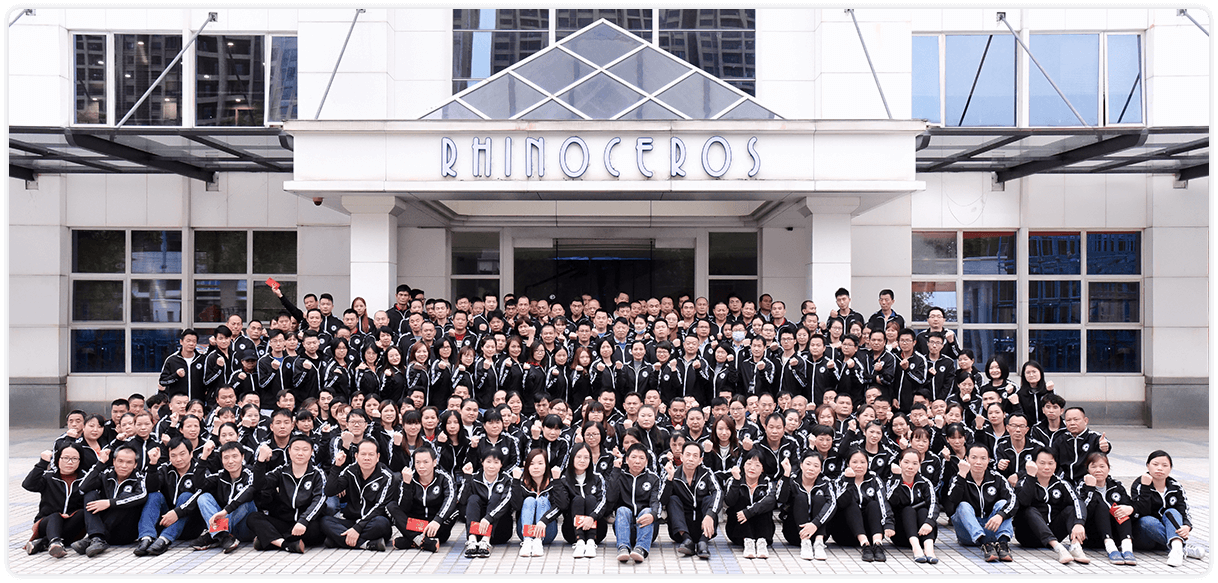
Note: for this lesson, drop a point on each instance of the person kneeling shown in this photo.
(367, 484)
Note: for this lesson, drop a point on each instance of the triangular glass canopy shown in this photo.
(602, 72)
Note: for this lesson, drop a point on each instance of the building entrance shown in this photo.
(603, 268)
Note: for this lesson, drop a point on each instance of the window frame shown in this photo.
(453, 278)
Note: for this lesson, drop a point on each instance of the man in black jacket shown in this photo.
(171, 505)
(115, 494)
(183, 370)
(694, 498)
(367, 485)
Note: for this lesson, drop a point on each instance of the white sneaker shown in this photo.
(1175, 557)
(526, 547)
(538, 550)
(750, 548)
(761, 550)
(805, 549)
(1063, 555)
(1193, 551)
(590, 549)
(577, 551)
(818, 551)
(1076, 551)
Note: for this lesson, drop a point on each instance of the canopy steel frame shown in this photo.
(211, 17)
(867, 54)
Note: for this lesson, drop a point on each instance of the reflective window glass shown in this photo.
(1054, 254)
(569, 20)
(475, 253)
(987, 343)
(94, 300)
(721, 42)
(90, 51)
(220, 252)
(989, 253)
(1114, 351)
(99, 351)
(733, 253)
(989, 302)
(698, 97)
(1054, 302)
(150, 348)
(1114, 253)
(1114, 301)
(979, 74)
(934, 253)
(156, 300)
(274, 252)
(267, 304)
(719, 289)
(926, 78)
(1124, 78)
(602, 44)
(1073, 62)
(99, 251)
(929, 294)
(554, 70)
(156, 251)
(282, 98)
(139, 60)
(648, 70)
(217, 299)
(229, 80)
(601, 97)
(504, 97)
(475, 289)
(488, 41)
(1055, 350)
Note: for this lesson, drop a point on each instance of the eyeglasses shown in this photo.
(69, 459)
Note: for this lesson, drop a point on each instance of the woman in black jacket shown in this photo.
(862, 511)
(365, 376)
(61, 504)
(581, 497)
(750, 497)
(914, 508)
(488, 498)
(1108, 511)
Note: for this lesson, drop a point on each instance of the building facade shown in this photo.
(556, 151)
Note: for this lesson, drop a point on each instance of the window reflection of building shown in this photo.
(90, 78)
(139, 59)
(486, 42)
(229, 80)
(637, 21)
(720, 42)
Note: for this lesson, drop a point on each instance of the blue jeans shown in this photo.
(971, 532)
(624, 522)
(531, 511)
(208, 507)
(156, 507)
(1155, 533)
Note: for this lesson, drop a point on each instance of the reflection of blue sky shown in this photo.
(480, 65)
(992, 102)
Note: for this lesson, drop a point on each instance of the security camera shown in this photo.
(317, 200)
(790, 229)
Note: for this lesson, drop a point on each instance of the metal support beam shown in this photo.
(211, 17)
(286, 141)
(967, 154)
(1198, 171)
(125, 152)
(341, 52)
(238, 152)
(22, 173)
(1184, 12)
(1100, 148)
(1002, 17)
(1156, 155)
(30, 12)
(50, 154)
(869, 64)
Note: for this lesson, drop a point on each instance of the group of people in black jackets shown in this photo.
(384, 430)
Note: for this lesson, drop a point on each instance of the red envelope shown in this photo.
(476, 528)
(219, 525)
(531, 531)
(416, 524)
(578, 518)
(271, 282)
(1113, 511)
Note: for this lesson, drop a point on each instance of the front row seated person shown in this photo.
(366, 486)
(426, 506)
(293, 495)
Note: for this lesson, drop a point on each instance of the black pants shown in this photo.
(400, 517)
(906, 523)
(801, 513)
(475, 511)
(118, 525)
(54, 526)
(333, 528)
(1101, 524)
(689, 521)
(582, 506)
(1032, 530)
(850, 520)
(761, 526)
(269, 527)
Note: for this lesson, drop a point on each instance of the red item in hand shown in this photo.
(271, 282)
(416, 524)
(579, 518)
(219, 525)
(476, 528)
(531, 530)
(1113, 511)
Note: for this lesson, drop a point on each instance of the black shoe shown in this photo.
(96, 547)
(1004, 551)
(295, 547)
(259, 545)
(159, 546)
(36, 546)
(638, 555)
(686, 548)
(329, 543)
(877, 550)
(703, 550)
(471, 549)
(204, 542)
(375, 544)
(990, 551)
(228, 543)
(56, 549)
(430, 544)
(401, 543)
(141, 549)
(868, 554)
(82, 545)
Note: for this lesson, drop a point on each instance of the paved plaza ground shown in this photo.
(1189, 449)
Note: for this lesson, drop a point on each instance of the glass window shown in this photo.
(1114, 351)
(934, 253)
(267, 304)
(719, 289)
(989, 253)
(150, 348)
(987, 343)
(99, 351)
(1114, 253)
(220, 252)
(672, 274)
(733, 253)
(94, 300)
(569, 20)
(1053, 254)
(99, 251)
(930, 294)
(1054, 302)
(229, 80)
(475, 289)
(721, 42)
(90, 78)
(1124, 78)
(283, 79)
(274, 252)
(488, 41)
(1114, 301)
(139, 59)
(1056, 350)
(217, 299)
(926, 78)
(156, 252)
(979, 78)
(989, 302)
(156, 300)
(475, 254)
(1073, 62)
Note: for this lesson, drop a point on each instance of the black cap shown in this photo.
(248, 354)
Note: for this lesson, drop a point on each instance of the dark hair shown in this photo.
(299, 437)
(1097, 456)
(1003, 369)
(230, 446)
(976, 445)
(526, 478)
(1023, 382)
(1160, 453)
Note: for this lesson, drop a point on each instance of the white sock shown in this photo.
(1176, 544)
(1127, 545)
(473, 538)
(1110, 545)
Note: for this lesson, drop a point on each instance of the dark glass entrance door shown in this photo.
(602, 268)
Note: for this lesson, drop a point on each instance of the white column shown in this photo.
(374, 247)
(829, 259)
